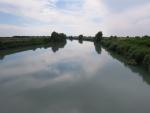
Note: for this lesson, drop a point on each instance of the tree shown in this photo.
(62, 35)
(80, 37)
(98, 36)
(54, 36)
(146, 36)
(58, 36)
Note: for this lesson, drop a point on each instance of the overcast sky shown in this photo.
(74, 17)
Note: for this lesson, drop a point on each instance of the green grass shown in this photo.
(136, 50)
(7, 43)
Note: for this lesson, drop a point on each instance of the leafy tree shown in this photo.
(80, 37)
(62, 35)
(54, 36)
(146, 36)
(98, 36)
(58, 36)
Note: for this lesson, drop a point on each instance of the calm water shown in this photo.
(71, 78)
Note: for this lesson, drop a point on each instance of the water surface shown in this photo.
(71, 78)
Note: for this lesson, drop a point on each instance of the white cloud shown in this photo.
(90, 17)
(134, 21)
(11, 30)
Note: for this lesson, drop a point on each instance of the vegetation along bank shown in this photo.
(20, 41)
(135, 50)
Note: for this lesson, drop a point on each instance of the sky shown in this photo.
(74, 17)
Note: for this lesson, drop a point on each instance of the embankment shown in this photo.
(136, 51)
(15, 42)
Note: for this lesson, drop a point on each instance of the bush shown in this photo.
(136, 50)
(146, 61)
(7, 43)
(2, 45)
(112, 46)
(138, 55)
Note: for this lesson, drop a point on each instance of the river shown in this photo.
(71, 78)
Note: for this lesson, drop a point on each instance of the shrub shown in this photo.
(112, 46)
(138, 55)
(146, 61)
(2, 46)
(136, 50)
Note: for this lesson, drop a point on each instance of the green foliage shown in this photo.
(146, 61)
(131, 62)
(98, 36)
(136, 50)
(21, 41)
(57, 36)
(62, 35)
(1, 45)
(7, 43)
(81, 37)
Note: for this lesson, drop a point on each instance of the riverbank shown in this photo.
(23, 41)
(16, 42)
(135, 50)
(10, 45)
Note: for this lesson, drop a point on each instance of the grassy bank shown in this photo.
(14, 42)
(135, 50)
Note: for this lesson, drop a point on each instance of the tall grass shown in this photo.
(136, 50)
(7, 43)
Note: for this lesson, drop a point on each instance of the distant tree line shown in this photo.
(58, 36)
(135, 37)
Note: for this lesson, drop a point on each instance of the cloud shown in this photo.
(122, 5)
(11, 30)
(75, 17)
(134, 21)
